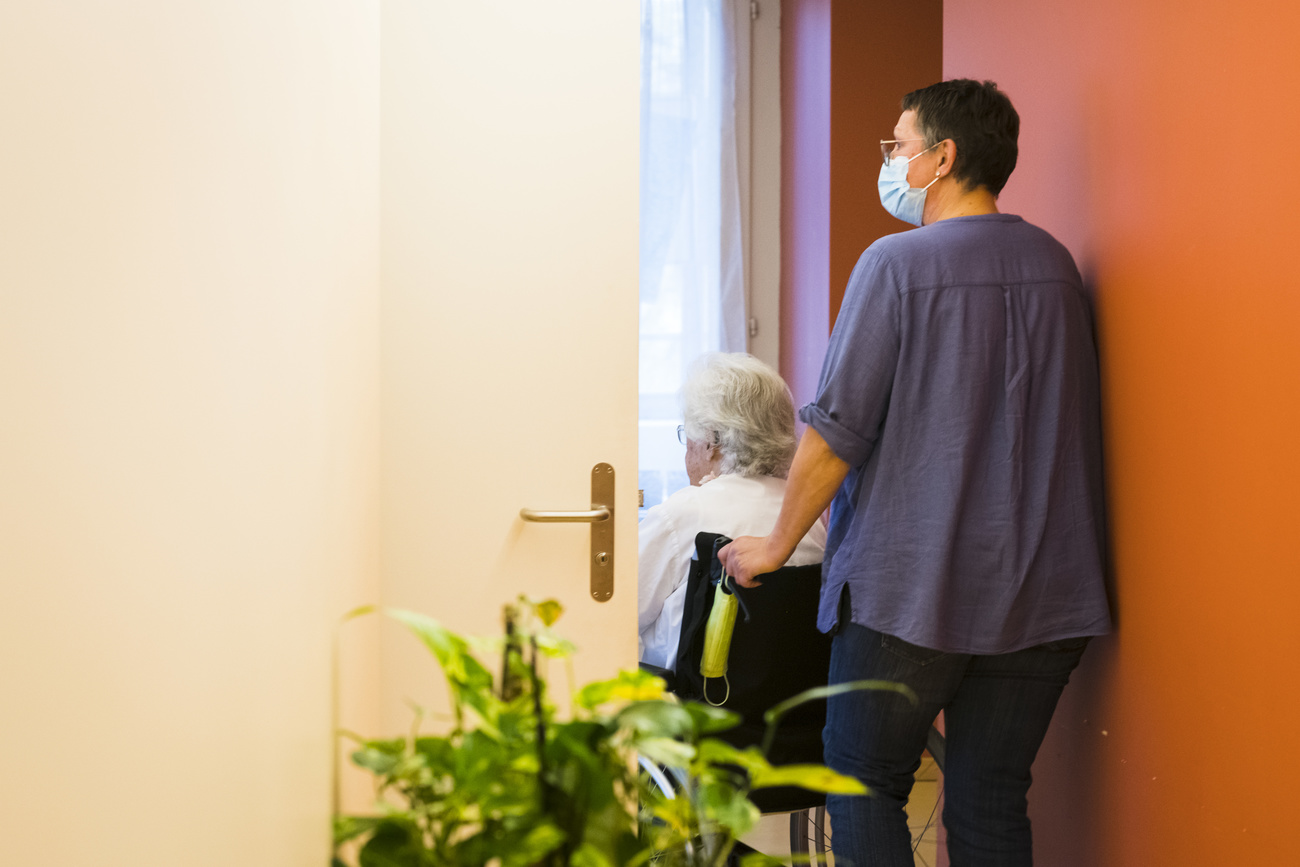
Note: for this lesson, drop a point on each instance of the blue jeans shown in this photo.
(996, 712)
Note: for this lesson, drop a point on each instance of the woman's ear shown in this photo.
(947, 157)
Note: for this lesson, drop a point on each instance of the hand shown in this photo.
(748, 557)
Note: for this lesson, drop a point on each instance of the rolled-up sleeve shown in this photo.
(858, 374)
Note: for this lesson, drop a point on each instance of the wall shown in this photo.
(189, 442)
(844, 68)
(879, 52)
(805, 192)
(763, 239)
(1156, 143)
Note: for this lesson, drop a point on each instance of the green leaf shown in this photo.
(445, 645)
(814, 777)
(758, 859)
(578, 741)
(628, 686)
(593, 695)
(555, 647)
(631, 850)
(380, 756)
(711, 720)
(675, 817)
(717, 752)
(657, 719)
(588, 855)
(773, 715)
(536, 844)
(666, 751)
(348, 827)
(359, 611)
(451, 651)
(478, 761)
(609, 831)
(548, 611)
(388, 746)
(819, 692)
(438, 753)
(525, 763)
(470, 682)
(394, 844)
(728, 806)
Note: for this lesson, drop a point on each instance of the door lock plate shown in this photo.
(602, 533)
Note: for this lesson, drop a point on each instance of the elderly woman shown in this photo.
(739, 436)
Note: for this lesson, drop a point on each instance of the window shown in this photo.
(695, 199)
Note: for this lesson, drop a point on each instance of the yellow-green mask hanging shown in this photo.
(717, 638)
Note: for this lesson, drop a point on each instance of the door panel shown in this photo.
(509, 230)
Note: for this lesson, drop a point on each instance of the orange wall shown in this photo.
(879, 51)
(844, 67)
(1156, 141)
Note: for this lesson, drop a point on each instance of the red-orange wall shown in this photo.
(844, 67)
(1158, 141)
(879, 51)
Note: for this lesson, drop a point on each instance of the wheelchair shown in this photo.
(776, 652)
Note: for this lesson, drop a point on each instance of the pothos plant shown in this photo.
(515, 784)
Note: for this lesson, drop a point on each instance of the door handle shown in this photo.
(538, 516)
(601, 518)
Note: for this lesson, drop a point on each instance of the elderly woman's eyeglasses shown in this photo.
(681, 435)
(889, 146)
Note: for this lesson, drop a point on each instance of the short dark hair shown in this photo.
(980, 119)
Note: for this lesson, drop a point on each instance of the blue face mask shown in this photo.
(904, 201)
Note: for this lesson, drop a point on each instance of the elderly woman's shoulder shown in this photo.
(728, 487)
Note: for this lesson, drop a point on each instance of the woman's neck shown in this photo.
(955, 201)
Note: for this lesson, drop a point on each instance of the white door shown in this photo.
(509, 232)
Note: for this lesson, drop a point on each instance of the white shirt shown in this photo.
(731, 505)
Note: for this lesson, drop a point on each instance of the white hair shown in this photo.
(743, 407)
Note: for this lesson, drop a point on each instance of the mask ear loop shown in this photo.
(937, 175)
(725, 696)
(914, 156)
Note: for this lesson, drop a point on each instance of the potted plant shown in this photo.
(515, 784)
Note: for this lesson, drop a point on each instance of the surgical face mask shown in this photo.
(717, 639)
(904, 201)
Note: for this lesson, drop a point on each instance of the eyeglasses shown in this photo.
(681, 435)
(888, 146)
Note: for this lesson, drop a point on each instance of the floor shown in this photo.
(773, 833)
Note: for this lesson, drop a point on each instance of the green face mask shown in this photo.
(717, 638)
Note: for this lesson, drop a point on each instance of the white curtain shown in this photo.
(692, 263)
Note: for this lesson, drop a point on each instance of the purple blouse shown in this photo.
(961, 387)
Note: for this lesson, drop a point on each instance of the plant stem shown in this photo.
(510, 686)
(541, 728)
